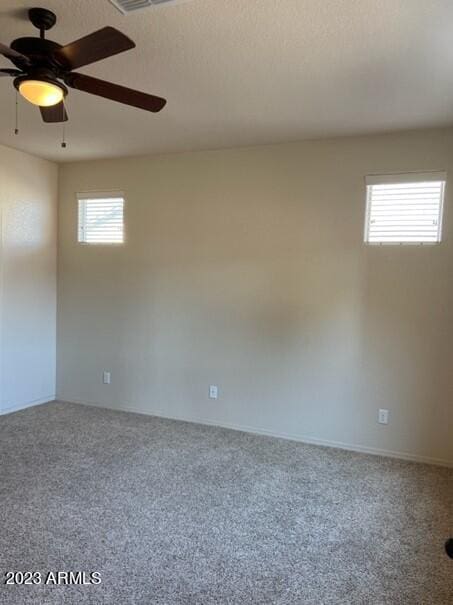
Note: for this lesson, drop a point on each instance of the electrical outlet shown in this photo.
(106, 378)
(383, 416)
(213, 391)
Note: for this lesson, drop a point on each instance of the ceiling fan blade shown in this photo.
(55, 113)
(101, 44)
(10, 72)
(121, 94)
(13, 55)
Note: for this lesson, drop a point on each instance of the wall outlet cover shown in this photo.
(383, 416)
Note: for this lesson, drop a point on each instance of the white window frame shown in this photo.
(83, 196)
(400, 178)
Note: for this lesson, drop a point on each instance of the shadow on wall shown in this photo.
(297, 330)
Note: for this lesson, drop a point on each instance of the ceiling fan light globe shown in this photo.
(41, 93)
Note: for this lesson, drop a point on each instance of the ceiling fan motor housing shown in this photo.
(40, 50)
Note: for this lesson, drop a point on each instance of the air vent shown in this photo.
(130, 6)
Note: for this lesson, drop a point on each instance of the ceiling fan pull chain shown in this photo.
(63, 140)
(16, 129)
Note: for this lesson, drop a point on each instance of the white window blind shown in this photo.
(101, 218)
(405, 208)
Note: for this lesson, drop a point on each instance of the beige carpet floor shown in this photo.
(174, 513)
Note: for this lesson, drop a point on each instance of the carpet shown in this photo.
(173, 513)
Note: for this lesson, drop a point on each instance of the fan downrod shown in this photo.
(42, 18)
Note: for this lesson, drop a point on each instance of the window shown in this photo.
(101, 218)
(404, 208)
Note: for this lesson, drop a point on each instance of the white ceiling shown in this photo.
(245, 72)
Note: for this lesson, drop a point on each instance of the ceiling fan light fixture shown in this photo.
(41, 92)
(43, 65)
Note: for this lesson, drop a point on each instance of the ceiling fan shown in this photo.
(45, 68)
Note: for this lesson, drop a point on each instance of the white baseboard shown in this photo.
(261, 431)
(24, 405)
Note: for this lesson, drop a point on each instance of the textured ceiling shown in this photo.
(245, 72)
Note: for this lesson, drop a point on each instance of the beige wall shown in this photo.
(246, 268)
(28, 210)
